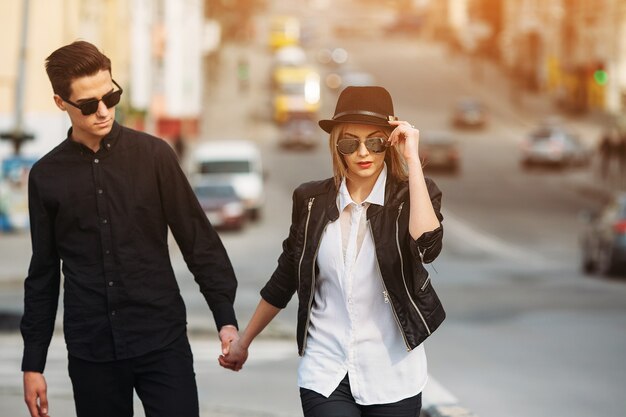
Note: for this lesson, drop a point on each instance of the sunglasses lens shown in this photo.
(89, 107)
(112, 99)
(376, 145)
(347, 146)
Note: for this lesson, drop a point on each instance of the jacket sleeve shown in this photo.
(199, 243)
(41, 286)
(428, 246)
(283, 282)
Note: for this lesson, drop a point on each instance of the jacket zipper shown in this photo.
(406, 288)
(308, 314)
(422, 252)
(306, 230)
(386, 295)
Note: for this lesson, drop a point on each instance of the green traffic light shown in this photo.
(600, 76)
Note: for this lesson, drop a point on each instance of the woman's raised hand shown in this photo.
(406, 137)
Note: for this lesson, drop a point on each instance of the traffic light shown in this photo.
(600, 75)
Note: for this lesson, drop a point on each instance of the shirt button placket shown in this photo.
(110, 277)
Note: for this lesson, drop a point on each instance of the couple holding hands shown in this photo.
(101, 204)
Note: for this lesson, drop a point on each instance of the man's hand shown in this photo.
(236, 356)
(228, 333)
(36, 394)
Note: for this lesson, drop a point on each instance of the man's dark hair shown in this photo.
(78, 59)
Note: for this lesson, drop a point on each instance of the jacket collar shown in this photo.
(394, 192)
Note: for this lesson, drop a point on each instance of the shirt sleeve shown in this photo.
(41, 286)
(428, 246)
(199, 243)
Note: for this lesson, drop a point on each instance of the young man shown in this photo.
(100, 206)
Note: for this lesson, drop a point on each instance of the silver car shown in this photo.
(551, 145)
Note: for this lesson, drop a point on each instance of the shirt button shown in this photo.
(100, 190)
(111, 283)
(96, 160)
(108, 145)
(113, 312)
(107, 252)
(105, 221)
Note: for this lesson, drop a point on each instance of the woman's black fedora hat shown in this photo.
(370, 105)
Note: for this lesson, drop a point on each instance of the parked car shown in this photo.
(299, 133)
(469, 112)
(603, 238)
(553, 145)
(237, 162)
(439, 151)
(222, 205)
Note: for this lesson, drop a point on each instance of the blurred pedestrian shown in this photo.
(607, 151)
(621, 156)
(100, 206)
(355, 255)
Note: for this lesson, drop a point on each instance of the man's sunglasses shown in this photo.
(347, 146)
(91, 106)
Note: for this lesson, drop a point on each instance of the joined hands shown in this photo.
(234, 354)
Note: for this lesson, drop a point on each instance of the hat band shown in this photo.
(362, 112)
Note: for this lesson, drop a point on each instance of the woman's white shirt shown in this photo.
(352, 329)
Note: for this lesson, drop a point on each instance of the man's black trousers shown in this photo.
(164, 380)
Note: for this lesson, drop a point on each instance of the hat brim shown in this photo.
(328, 125)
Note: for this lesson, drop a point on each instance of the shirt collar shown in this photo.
(376, 196)
(106, 144)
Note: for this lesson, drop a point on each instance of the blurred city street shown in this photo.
(528, 331)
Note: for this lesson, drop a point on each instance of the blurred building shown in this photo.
(572, 50)
(166, 81)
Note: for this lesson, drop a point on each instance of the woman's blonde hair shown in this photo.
(396, 165)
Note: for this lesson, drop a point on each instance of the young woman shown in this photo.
(355, 255)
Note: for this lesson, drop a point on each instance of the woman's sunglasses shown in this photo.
(346, 146)
(91, 106)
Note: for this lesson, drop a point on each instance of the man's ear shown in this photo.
(59, 102)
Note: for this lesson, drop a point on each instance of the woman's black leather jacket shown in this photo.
(406, 282)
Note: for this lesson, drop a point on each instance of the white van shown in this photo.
(237, 162)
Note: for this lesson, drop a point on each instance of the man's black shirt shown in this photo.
(103, 219)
